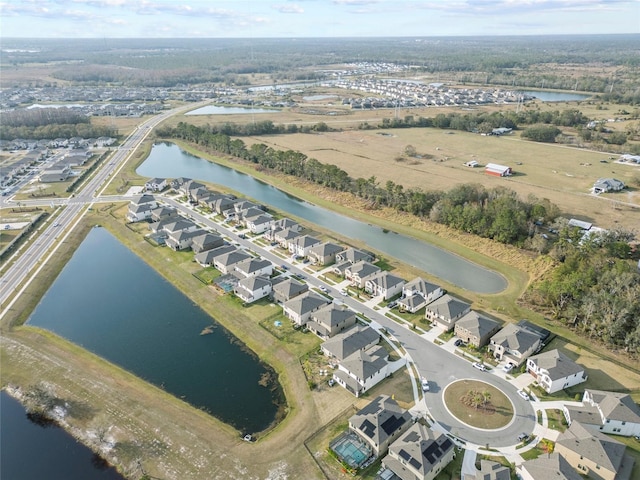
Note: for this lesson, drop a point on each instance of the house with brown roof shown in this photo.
(594, 454)
(554, 371)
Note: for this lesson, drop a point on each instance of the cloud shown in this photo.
(289, 8)
(355, 2)
(504, 7)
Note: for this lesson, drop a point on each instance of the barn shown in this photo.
(497, 170)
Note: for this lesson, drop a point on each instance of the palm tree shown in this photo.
(486, 396)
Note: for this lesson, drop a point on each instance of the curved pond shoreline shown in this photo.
(168, 160)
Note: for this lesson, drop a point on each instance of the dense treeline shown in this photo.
(37, 117)
(50, 132)
(495, 213)
(541, 133)
(595, 290)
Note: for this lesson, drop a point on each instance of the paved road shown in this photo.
(433, 362)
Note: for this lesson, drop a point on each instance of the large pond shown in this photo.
(169, 161)
(556, 96)
(218, 110)
(109, 301)
(31, 448)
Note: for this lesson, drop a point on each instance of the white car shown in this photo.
(323, 288)
(480, 367)
(523, 394)
(344, 292)
(508, 367)
(425, 384)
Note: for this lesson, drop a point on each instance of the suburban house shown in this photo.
(178, 224)
(362, 370)
(222, 205)
(57, 173)
(253, 288)
(488, 471)
(355, 339)
(162, 212)
(253, 267)
(243, 205)
(476, 329)
(603, 185)
(176, 183)
(226, 263)
(182, 239)
(190, 186)
(446, 311)
(300, 246)
(514, 344)
(197, 192)
(331, 320)
(594, 454)
(552, 466)
(206, 258)
(259, 224)
(206, 241)
(497, 170)
(554, 371)
(280, 225)
(155, 184)
(283, 237)
(138, 213)
(145, 200)
(353, 255)
(299, 309)
(358, 272)
(324, 254)
(384, 285)
(286, 288)
(606, 412)
(417, 293)
(419, 453)
(380, 423)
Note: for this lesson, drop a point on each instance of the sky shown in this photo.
(313, 18)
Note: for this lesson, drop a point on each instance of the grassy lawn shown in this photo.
(556, 420)
(207, 275)
(498, 413)
(541, 448)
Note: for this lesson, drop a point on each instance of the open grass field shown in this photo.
(497, 413)
(562, 174)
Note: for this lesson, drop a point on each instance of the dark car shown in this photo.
(523, 437)
(457, 343)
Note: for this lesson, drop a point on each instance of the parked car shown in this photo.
(284, 267)
(392, 304)
(508, 367)
(457, 343)
(523, 394)
(523, 437)
(344, 292)
(480, 366)
(425, 384)
(323, 288)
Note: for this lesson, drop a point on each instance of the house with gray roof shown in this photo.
(57, 173)
(155, 184)
(259, 223)
(353, 255)
(222, 205)
(182, 239)
(607, 412)
(419, 453)
(358, 273)
(418, 293)
(252, 267)
(299, 309)
(514, 344)
(162, 212)
(383, 284)
(280, 225)
(283, 237)
(546, 467)
(178, 224)
(251, 289)
(603, 185)
(380, 422)
(355, 339)
(331, 320)
(206, 258)
(594, 454)
(206, 241)
(488, 471)
(144, 199)
(446, 311)
(324, 253)
(476, 329)
(300, 246)
(226, 263)
(554, 371)
(363, 370)
(286, 288)
(138, 213)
